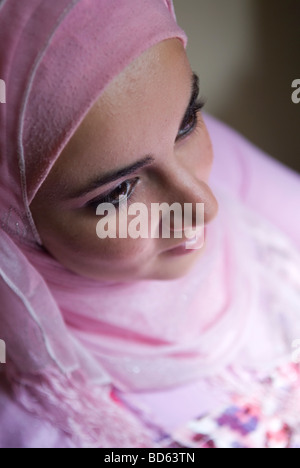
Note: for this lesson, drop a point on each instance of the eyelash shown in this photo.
(193, 113)
(191, 118)
(109, 198)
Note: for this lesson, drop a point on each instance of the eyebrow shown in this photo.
(146, 161)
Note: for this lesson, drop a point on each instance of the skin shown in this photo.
(139, 113)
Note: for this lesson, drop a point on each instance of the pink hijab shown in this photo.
(71, 341)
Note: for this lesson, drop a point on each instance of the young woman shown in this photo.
(151, 341)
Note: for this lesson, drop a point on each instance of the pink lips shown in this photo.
(189, 246)
(181, 250)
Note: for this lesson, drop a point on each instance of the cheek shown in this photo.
(126, 252)
(197, 151)
(73, 240)
(203, 147)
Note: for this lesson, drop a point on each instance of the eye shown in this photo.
(191, 120)
(119, 195)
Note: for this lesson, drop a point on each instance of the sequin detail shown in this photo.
(269, 418)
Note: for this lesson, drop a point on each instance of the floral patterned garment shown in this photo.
(267, 418)
(264, 405)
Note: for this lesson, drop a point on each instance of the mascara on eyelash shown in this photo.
(195, 106)
(117, 203)
(192, 112)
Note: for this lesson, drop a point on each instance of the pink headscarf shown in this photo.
(69, 340)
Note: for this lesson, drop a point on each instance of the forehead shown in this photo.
(138, 104)
(159, 65)
(151, 80)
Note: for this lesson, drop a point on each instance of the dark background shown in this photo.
(247, 53)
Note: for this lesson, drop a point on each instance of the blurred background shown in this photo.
(247, 54)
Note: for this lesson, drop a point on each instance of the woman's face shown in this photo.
(145, 114)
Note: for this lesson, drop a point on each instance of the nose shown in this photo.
(191, 193)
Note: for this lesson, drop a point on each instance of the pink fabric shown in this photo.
(262, 183)
(264, 415)
(57, 60)
(74, 344)
(170, 408)
(252, 179)
(19, 429)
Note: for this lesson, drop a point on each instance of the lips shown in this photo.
(197, 241)
(193, 242)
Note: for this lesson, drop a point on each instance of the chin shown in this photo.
(175, 267)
